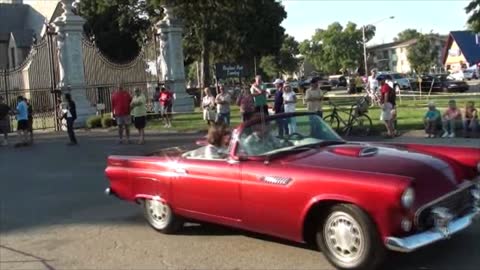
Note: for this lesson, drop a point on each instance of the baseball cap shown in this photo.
(278, 81)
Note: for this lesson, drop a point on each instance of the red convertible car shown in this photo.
(354, 200)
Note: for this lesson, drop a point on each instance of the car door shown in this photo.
(208, 189)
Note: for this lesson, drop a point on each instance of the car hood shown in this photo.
(432, 176)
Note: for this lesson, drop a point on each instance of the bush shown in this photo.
(94, 121)
(107, 121)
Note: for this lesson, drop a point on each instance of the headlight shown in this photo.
(408, 197)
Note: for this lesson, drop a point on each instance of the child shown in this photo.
(450, 118)
(470, 123)
(431, 120)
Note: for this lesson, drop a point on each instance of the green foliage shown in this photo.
(107, 121)
(94, 121)
(473, 9)
(422, 55)
(336, 48)
(119, 26)
(407, 34)
(284, 62)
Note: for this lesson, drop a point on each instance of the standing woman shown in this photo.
(289, 100)
(208, 105)
(70, 114)
(139, 112)
(247, 105)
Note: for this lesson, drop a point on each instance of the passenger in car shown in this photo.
(218, 139)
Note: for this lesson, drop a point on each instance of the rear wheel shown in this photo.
(161, 217)
(360, 126)
(333, 121)
(349, 240)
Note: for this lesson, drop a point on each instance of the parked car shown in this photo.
(323, 83)
(400, 81)
(354, 200)
(337, 81)
(271, 89)
(443, 83)
(457, 76)
(470, 74)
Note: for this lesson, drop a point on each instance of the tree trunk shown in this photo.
(205, 64)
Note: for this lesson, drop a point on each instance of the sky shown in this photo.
(441, 16)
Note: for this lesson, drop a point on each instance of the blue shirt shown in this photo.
(278, 103)
(22, 111)
(432, 114)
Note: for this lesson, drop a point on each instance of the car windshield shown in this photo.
(397, 76)
(285, 134)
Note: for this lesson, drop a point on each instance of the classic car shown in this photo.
(354, 200)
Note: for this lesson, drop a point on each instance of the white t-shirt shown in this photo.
(373, 83)
(290, 96)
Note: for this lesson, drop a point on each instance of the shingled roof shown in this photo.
(467, 42)
(14, 22)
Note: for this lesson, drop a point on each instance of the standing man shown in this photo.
(372, 82)
(121, 111)
(70, 114)
(156, 100)
(30, 119)
(223, 101)
(314, 97)
(259, 95)
(5, 112)
(166, 100)
(139, 113)
(22, 122)
(279, 108)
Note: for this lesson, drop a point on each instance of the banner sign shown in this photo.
(223, 71)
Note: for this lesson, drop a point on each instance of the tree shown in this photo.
(284, 62)
(422, 55)
(336, 48)
(118, 26)
(474, 19)
(407, 34)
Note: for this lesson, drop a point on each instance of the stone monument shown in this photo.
(69, 29)
(171, 59)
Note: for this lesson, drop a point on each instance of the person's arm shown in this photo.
(257, 91)
(307, 95)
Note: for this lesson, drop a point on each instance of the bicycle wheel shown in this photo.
(361, 126)
(333, 121)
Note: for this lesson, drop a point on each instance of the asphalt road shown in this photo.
(53, 215)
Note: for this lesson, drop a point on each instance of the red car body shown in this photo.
(282, 196)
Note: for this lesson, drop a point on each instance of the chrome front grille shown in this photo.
(458, 203)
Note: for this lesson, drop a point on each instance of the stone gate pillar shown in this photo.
(69, 29)
(172, 68)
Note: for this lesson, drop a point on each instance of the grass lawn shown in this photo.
(410, 113)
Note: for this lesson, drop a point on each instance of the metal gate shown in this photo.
(34, 79)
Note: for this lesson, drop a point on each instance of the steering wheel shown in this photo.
(295, 136)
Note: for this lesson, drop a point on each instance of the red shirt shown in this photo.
(165, 97)
(121, 103)
(384, 91)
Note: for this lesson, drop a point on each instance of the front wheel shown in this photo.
(161, 217)
(349, 239)
(360, 126)
(333, 121)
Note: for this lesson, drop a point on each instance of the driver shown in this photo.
(218, 140)
(261, 140)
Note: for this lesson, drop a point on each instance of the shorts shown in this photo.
(4, 126)
(386, 114)
(167, 108)
(22, 125)
(140, 122)
(123, 120)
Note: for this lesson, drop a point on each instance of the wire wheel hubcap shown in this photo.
(344, 238)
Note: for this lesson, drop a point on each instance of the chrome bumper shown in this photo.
(413, 242)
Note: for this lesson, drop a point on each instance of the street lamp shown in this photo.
(365, 41)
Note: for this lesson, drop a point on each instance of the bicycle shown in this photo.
(358, 123)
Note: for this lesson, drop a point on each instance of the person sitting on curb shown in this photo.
(470, 122)
(451, 119)
(432, 120)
